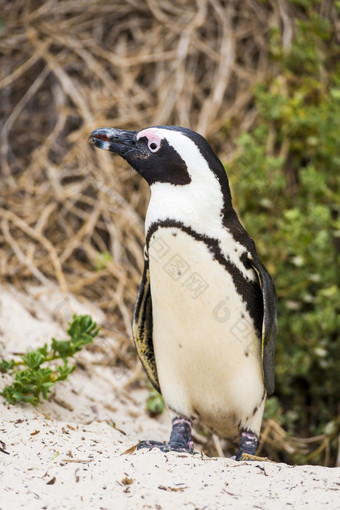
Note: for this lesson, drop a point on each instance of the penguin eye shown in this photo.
(154, 145)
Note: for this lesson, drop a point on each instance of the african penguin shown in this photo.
(204, 323)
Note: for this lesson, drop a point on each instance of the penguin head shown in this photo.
(163, 154)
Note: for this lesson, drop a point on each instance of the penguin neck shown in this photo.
(200, 205)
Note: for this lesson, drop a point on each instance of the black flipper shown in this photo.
(142, 327)
(269, 325)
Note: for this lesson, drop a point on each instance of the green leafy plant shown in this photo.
(286, 180)
(103, 260)
(155, 404)
(39, 370)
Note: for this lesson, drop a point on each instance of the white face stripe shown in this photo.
(198, 204)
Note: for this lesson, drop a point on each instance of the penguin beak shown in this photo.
(119, 141)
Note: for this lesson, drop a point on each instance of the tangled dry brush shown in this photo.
(71, 216)
(70, 67)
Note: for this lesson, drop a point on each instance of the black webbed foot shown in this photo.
(247, 446)
(165, 447)
(180, 438)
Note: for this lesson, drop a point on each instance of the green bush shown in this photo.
(286, 186)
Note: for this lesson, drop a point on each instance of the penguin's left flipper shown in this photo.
(269, 325)
(142, 327)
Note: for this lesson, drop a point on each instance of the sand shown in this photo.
(71, 451)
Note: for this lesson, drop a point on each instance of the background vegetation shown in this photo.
(260, 79)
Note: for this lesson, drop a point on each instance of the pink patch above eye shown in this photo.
(154, 140)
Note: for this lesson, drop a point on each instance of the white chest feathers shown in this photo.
(207, 352)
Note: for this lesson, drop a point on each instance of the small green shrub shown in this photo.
(155, 404)
(40, 369)
(286, 184)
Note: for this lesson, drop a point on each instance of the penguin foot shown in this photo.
(247, 447)
(166, 447)
(180, 438)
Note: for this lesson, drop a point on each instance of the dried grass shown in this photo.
(68, 67)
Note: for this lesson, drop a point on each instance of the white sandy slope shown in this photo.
(66, 455)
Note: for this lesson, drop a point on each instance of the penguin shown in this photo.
(204, 323)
